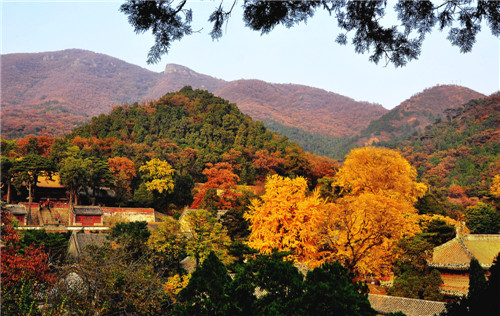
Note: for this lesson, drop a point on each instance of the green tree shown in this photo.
(438, 232)
(205, 234)
(280, 283)
(482, 219)
(412, 276)
(205, 293)
(99, 174)
(26, 171)
(363, 19)
(331, 290)
(477, 288)
(132, 236)
(168, 244)
(6, 165)
(490, 297)
(74, 174)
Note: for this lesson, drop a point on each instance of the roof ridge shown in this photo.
(404, 298)
(464, 247)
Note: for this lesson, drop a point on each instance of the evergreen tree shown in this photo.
(330, 290)
(477, 288)
(205, 293)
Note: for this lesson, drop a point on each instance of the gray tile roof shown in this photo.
(385, 304)
(17, 209)
(86, 210)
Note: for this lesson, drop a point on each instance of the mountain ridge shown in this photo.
(60, 90)
(81, 84)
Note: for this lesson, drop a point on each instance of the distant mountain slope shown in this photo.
(312, 109)
(414, 114)
(52, 92)
(175, 77)
(459, 154)
(83, 82)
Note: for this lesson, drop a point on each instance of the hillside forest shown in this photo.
(270, 228)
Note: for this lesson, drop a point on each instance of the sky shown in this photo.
(305, 54)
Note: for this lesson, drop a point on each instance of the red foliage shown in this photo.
(17, 265)
(267, 163)
(220, 176)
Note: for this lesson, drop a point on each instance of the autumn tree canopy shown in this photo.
(375, 209)
(362, 20)
(287, 219)
(371, 212)
(158, 175)
(219, 177)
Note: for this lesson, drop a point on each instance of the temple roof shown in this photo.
(17, 209)
(457, 253)
(385, 304)
(86, 210)
(455, 284)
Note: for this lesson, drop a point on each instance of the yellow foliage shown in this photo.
(379, 171)
(288, 220)
(175, 284)
(375, 210)
(205, 234)
(362, 229)
(167, 240)
(495, 186)
(425, 219)
(159, 175)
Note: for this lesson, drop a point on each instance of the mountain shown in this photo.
(52, 92)
(312, 109)
(414, 114)
(175, 77)
(458, 155)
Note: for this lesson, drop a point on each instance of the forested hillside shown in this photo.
(192, 128)
(312, 109)
(319, 144)
(458, 156)
(414, 114)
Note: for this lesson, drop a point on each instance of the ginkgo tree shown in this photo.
(375, 209)
(158, 175)
(287, 219)
(371, 212)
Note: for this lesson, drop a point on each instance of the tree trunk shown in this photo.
(29, 205)
(8, 193)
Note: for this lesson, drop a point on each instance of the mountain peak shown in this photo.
(178, 69)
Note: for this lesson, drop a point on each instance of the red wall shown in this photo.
(20, 218)
(87, 220)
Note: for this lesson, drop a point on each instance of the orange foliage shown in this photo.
(286, 219)
(122, 168)
(219, 176)
(44, 145)
(267, 163)
(322, 166)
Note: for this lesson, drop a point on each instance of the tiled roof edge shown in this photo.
(405, 299)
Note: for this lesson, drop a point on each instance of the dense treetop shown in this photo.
(190, 129)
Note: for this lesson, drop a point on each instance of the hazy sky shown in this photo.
(304, 54)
